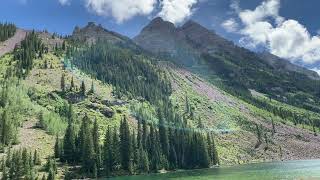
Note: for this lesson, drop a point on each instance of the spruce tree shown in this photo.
(163, 134)
(144, 134)
(57, 148)
(173, 161)
(92, 90)
(125, 145)
(36, 158)
(108, 154)
(69, 148)
(72, 84)
(87, 155)
(83, 89)
(62, 83)
(96, 144)
(116, 149)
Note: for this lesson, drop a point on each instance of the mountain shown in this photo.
(279, 63)
(163, 37)
(92, 32)
(109, 109)
(236, 69)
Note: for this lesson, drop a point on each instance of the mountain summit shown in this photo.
(92, 32)
(238, 69)
(187, 43)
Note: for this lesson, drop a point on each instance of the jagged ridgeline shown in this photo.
(131, 74)
(7, 30)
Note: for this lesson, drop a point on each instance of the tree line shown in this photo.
(131, 74)
(20, 164)
(7, 30)
(31, 47)
(126, 150)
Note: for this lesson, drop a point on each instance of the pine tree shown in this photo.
(87, 155)
(92, 90)
(139, 136)
(69, 148)
(173, 161)
(143, 161)
(83, 89)
(57, 148)
(108, 154)
(125, 145)
(116, 149)
(64, 45)
(96, 144)
(70, 114)
(36, 158)
(42, 123)
(72, 84)
(4, 129)
(144, 134)
(62, 83)
(204, 161)
(154, 149)
(4, 170)
(212, 150)
(163, 135)
(135, 152)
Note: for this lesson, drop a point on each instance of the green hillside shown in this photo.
(74, 110)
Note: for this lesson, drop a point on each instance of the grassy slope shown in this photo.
(43, 87)
(234, 121)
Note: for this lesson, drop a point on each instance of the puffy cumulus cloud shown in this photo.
(121, 10)
(269, 8)
(64, 2)
(286, 38)
(176, 11)
(230, 25)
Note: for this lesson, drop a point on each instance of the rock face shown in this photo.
(158, 37)
(186, 44)
(92, 33)
(279, 63)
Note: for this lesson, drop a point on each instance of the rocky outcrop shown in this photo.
(186, 44)
(279, 63)
(92, 33)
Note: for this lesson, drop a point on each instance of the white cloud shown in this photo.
(230, 25)
(286, 38)
(176, 11)
(64, 2)
(316, 70)
(121, 10)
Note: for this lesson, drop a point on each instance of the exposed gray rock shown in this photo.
(279, 63)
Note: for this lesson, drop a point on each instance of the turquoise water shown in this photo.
(305, 169)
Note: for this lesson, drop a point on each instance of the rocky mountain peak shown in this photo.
(92, 32)
(159, 25)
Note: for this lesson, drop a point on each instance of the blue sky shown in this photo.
(287, 28)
